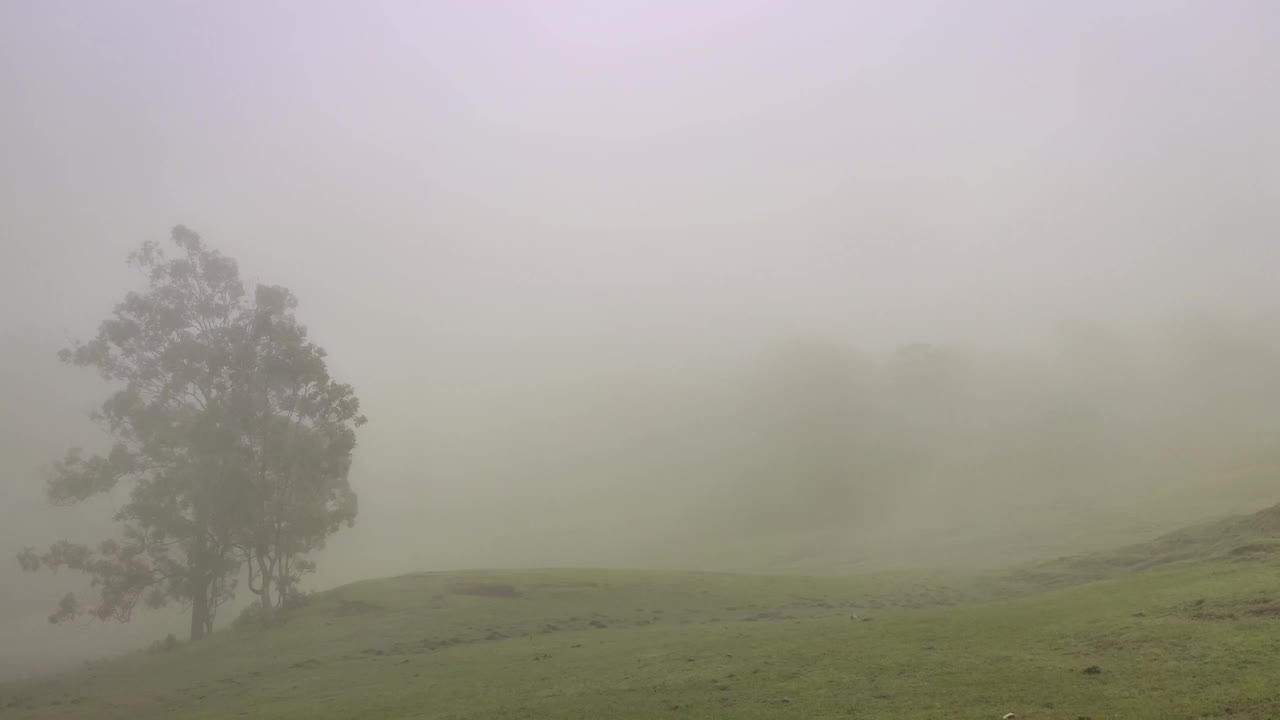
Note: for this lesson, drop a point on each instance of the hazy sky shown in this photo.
(485, 168)
(441, 182)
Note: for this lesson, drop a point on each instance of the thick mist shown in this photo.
(788, 287)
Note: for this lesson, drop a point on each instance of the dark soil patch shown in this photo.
(770, 615)
(440, 643)
(1255, 549)
(563, 585)
(491, 590)
(1213, 615)
(1266, 610)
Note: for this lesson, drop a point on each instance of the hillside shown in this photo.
(1256, 535)
(1184, 626)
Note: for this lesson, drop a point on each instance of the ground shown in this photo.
(1184, 627)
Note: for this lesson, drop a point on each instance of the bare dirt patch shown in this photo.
(483, 589)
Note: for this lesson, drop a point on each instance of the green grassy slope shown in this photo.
(1254, 535)
(1196, 636)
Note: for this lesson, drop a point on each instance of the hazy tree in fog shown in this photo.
(300, 434)
(809, 406)
(231, 438)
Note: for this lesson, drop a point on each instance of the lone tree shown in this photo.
(233, 441)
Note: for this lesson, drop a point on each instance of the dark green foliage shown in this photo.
(168, 644)
(233, 440)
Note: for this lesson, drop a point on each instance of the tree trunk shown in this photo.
(267, 571)
(199, 607)
(283, 585)
(267, 605)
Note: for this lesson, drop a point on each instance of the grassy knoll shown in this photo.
(1191, 636)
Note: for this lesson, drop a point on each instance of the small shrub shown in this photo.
(250, 616)
(168, 644)
(296, 599)
(253, 615)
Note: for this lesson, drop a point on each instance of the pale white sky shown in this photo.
(572, 167)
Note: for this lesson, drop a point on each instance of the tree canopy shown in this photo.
(232, 440)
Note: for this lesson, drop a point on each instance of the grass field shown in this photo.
(1185, 627)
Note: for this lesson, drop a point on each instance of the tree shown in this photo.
(806, 421)
(232, 439)
(301, 430)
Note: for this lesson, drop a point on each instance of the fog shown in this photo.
(788, 287)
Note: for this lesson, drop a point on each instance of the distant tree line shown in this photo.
(826, 435)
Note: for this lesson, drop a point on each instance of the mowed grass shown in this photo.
(1186, 640)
